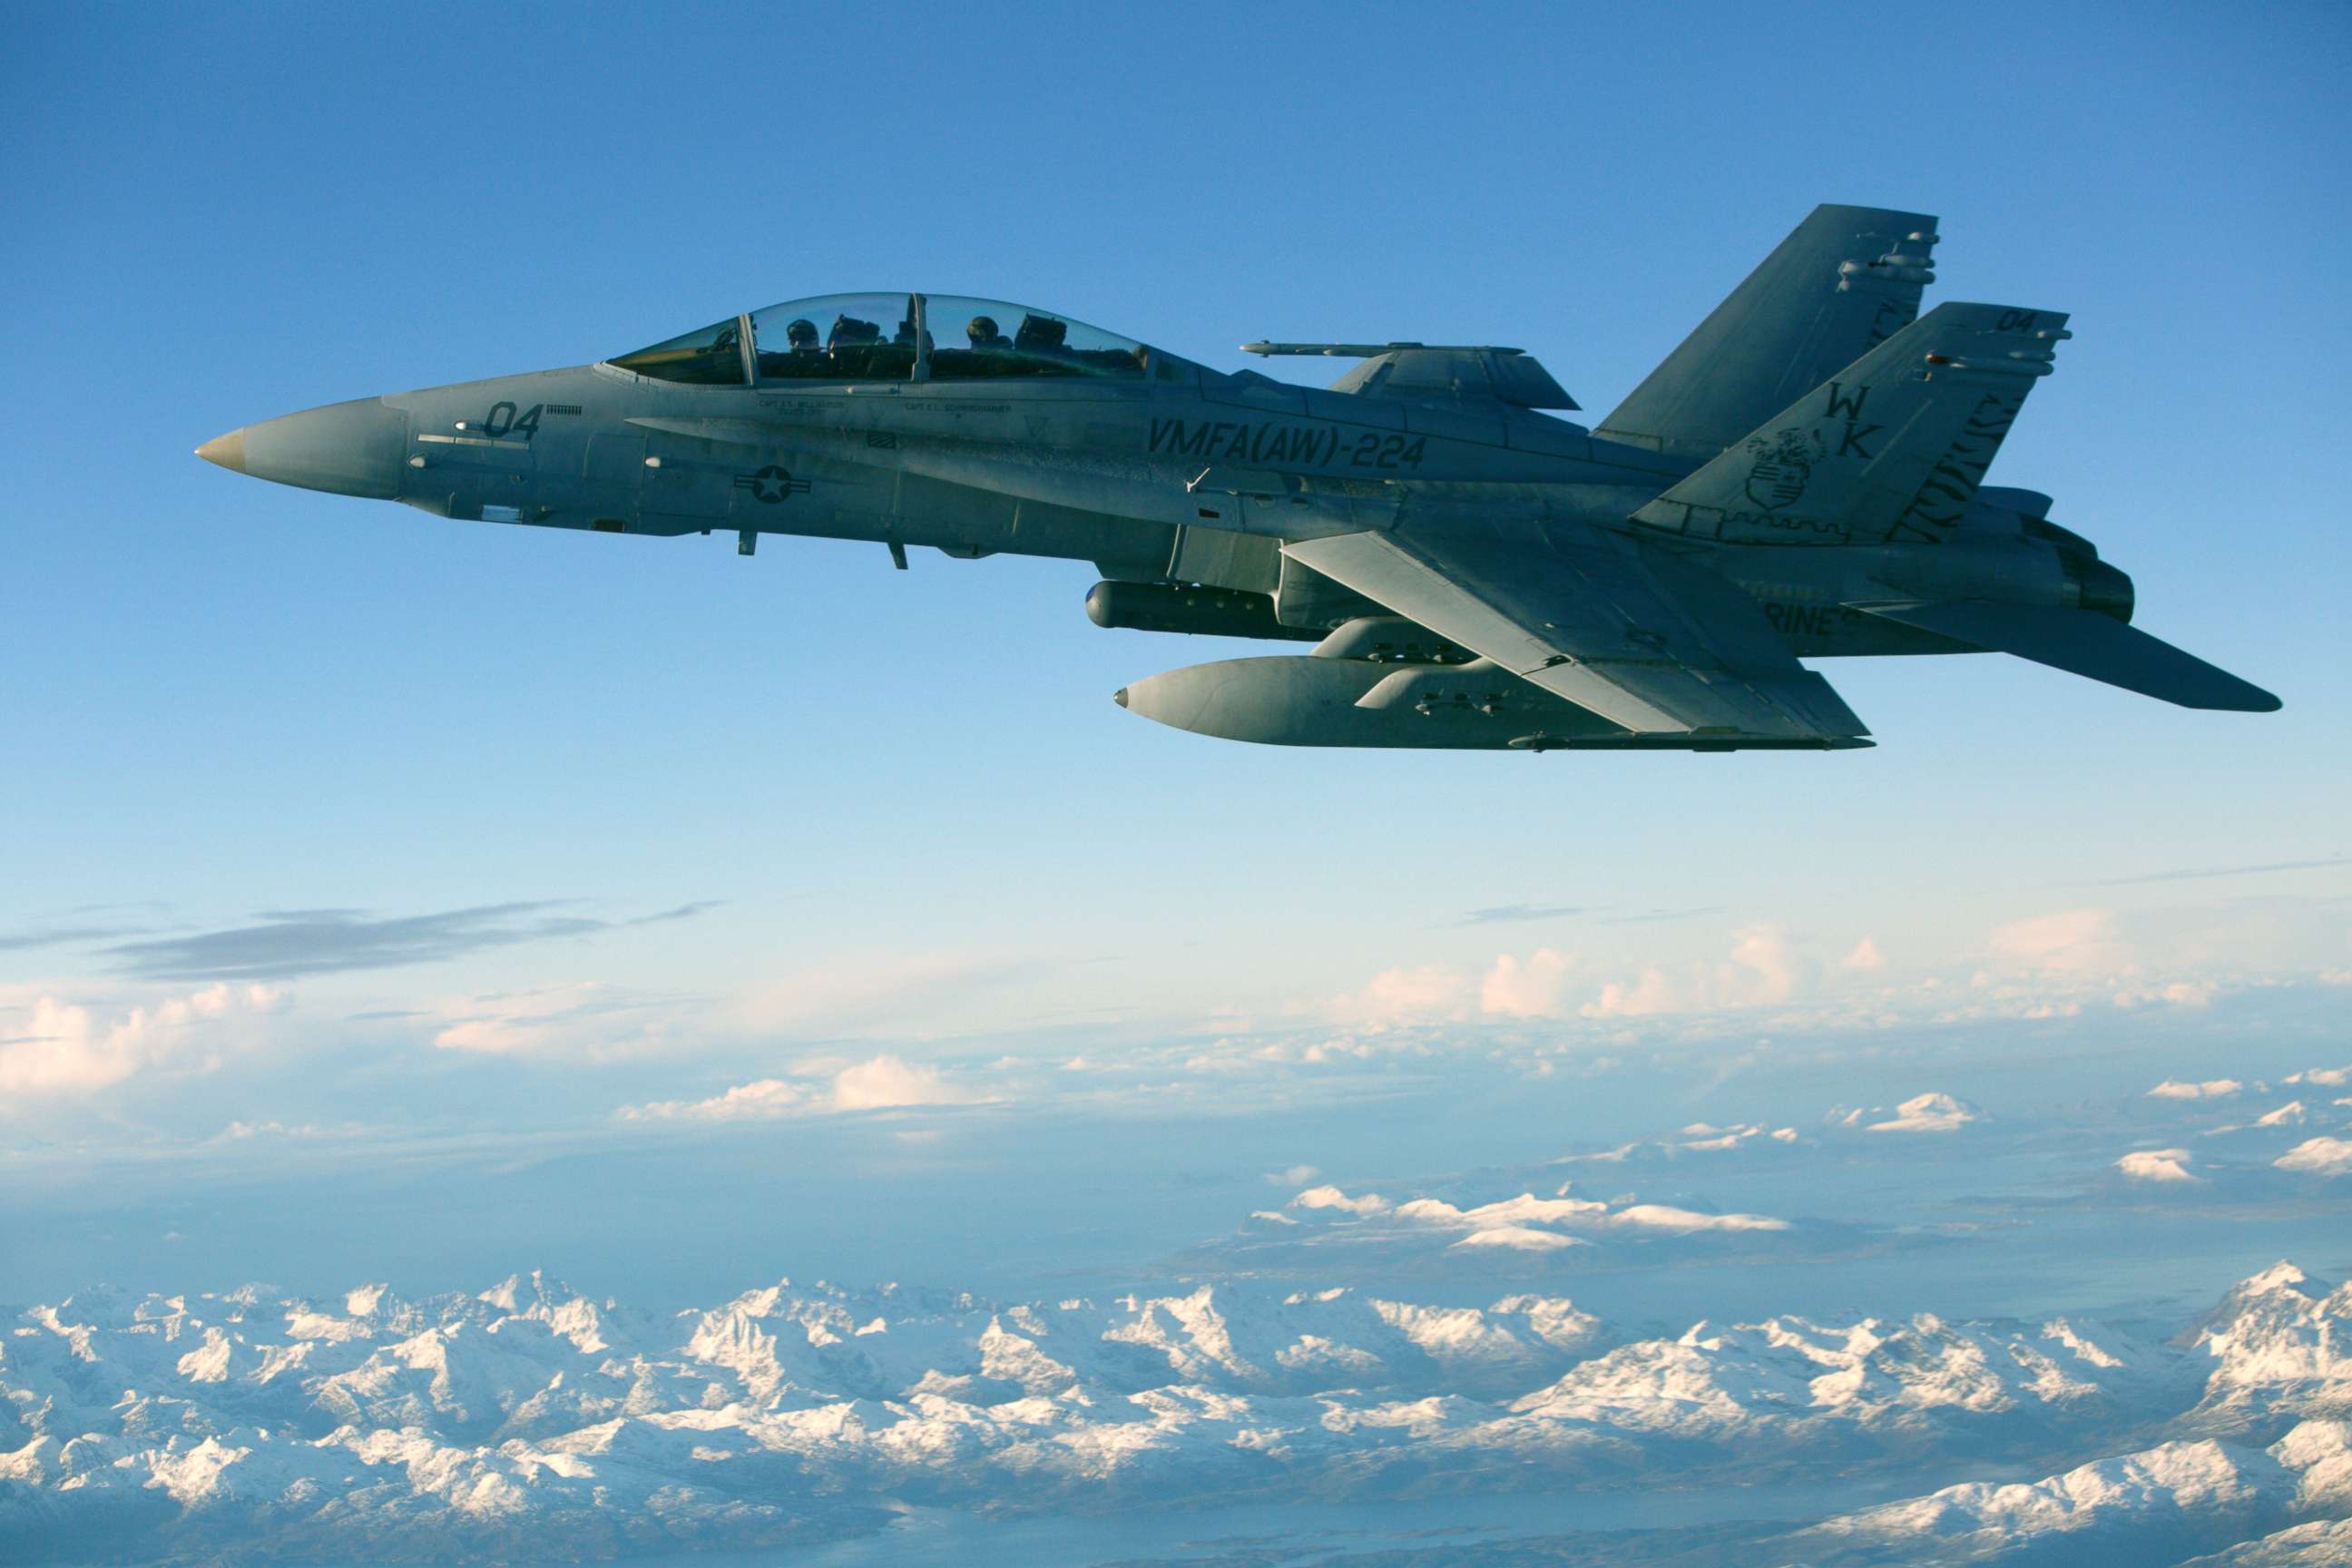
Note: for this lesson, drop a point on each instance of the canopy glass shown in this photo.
(840, 338)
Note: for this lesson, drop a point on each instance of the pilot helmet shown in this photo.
(982, 330)
(801, 332)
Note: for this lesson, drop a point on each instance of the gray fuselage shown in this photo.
(1187, 474)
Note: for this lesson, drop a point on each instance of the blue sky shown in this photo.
(908, 822)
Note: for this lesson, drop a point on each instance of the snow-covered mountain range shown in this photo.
(528, 1421)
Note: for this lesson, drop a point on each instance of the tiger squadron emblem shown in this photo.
(1784, 462)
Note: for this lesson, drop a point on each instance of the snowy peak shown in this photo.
(495, 1423)
(1797, 1377)
(2153, 1506)
(2172, 1484)
(2279, 1344)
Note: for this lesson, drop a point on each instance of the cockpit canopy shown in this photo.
(839, 338)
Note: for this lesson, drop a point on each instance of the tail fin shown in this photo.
(1894, 448)
(1845, 281)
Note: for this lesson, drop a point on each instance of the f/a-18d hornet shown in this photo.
(1803, 476)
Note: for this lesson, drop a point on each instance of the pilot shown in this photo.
(982, 331)
(801, 333)
(1041, 335)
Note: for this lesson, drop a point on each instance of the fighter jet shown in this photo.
(1803, 478)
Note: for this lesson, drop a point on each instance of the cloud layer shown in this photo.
(879, 1083)
(286, 944)
(61, 1049)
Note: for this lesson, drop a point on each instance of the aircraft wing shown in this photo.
(1622, 627)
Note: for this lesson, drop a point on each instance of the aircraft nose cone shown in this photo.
(353, 448)
(1119, 697)
(226, 451)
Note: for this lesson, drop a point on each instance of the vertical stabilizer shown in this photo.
(1891, 449)
(1845, 280)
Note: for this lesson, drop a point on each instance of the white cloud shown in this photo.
(2071, 942)
(1929, 1113)
(2158, 1165)
(885, 1082)
(1652, 994)
(1329, 1197)
(583, 1019)
(2320, 1156)
(2211, 1088)
(2053, 965)
(2326, 1077)
(64, 1049)
(2176, 993)
(1428, 994)
(1763, 953)
(1297, 1175)
(1762, 971)
(242, 1132)
(2291, 1114)
(880, 1083)
(759, 1100)
(1535, 989)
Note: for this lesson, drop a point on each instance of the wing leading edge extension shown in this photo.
(1621, 628)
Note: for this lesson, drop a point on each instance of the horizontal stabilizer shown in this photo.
(2084, 642)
